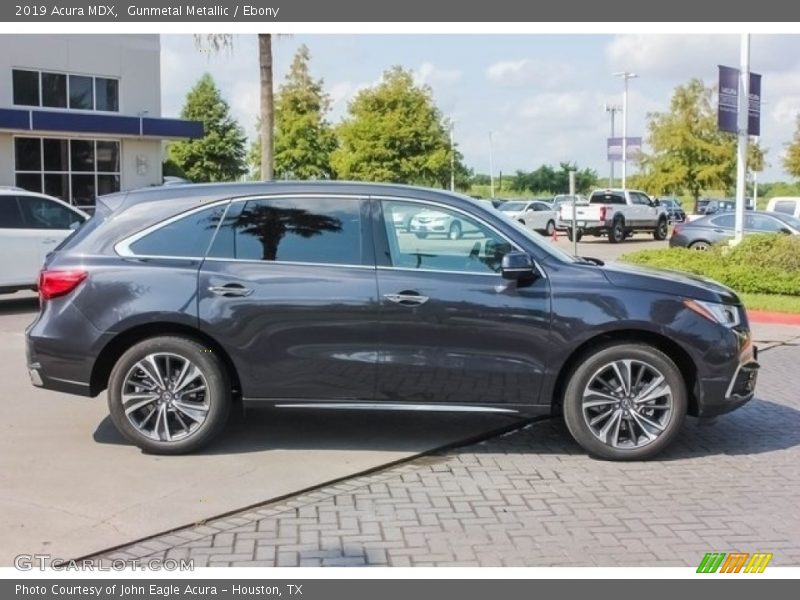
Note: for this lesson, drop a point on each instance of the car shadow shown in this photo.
(750, 430)
(258, 429)
(11, 305)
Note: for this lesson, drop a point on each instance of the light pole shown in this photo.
(741, 147)
(625, 76)
(613, 109)
(452, 125)
(491, 166)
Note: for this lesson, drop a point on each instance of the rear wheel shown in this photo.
(455, 231)
(169, 395)
(661, 230)
(700, 245)
(625, 401)
(550, 229)
(421, 235)
(617, 232)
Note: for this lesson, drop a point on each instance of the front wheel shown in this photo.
(550, 229)
(661, 230)
(421, 234)
(576, 234)
(169, 395)
(626, 401)
(455, 231)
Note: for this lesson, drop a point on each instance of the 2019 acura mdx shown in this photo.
(180, 300)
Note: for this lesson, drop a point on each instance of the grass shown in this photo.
(772, 302)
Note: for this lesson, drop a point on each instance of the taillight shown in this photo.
(53, 284)
(676, 229)
(603, 213)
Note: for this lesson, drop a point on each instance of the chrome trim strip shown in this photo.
(287, 262)
(395, 406)
(410, 270)
(81, 383)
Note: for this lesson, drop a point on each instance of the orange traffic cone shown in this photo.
(555, 234)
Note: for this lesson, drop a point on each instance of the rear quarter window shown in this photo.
(186, 237)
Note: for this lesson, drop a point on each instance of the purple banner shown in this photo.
(614, 148)
(728, 106)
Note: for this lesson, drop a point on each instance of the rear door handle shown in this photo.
(407, 298)
(230, 290)
(50, 241)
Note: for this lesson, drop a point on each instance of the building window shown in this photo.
(75, 170)
(59, 90)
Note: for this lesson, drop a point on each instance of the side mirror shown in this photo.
(656, 202)
(517, 265)
(785, 230)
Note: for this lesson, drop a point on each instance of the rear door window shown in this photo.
(319, 230)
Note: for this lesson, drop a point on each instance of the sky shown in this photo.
(542, 97)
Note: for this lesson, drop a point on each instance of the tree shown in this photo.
(220, 154)
(688, 151)
(217, 41)
(548, 180)
(304, 139)
(394, 132)
(791, 162)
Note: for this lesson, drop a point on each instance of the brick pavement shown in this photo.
(533, 498)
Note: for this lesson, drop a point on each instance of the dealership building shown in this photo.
(80, 115)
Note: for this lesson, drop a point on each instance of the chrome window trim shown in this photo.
(477, 218)
(287, 262)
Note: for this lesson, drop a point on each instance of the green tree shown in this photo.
(215, 42)
(551, 180)
(394, 132)
(304, 139)
(688, 152)
(220, 154)
(791, 162)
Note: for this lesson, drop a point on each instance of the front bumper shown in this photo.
(717, 396)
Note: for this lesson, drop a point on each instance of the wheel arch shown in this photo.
(679, 356)
(115, 348)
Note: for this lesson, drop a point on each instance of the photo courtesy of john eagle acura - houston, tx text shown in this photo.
(326, 295)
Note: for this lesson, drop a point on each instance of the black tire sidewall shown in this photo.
(616, 226)
(216, 379)
(657, 233)
(579, 378)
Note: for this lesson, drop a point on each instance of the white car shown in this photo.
(427, 222)
(31, 226)
(534, 214)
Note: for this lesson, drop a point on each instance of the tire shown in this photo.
(700, 245)
(550, 229)
(661, 231)
(192, 420)
(421, 235)
(617, 232)
(578, 235)
(455, 231)
(635, 438)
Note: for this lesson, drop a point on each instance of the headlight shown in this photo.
(724, 314)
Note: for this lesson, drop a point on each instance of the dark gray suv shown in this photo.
(183, 300)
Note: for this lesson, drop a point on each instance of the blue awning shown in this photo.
(100, 123)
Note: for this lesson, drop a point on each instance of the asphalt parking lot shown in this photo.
(71, 485)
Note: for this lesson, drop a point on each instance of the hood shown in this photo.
(670, 282)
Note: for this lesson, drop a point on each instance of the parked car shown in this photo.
(701, 233)
(31, 225)
(675, 211)
(561, 200)
(534, 214)
(787, 205)
(711, 206)
(431, 221)
(183, 300)
(616, 214)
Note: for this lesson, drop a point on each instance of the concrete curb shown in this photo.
(775, 318)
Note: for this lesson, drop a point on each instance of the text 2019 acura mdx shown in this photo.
(181, 300)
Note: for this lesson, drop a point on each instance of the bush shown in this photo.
(761, 264)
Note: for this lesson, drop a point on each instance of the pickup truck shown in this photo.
(616, 214)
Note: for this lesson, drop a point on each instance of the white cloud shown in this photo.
(428, 74)
(527, 71)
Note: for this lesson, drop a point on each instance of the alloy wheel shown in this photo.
(165, 397)
(627, 404)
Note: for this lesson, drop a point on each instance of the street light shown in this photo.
(491, 166)
(452, 124)
(613, 109)
(625, 76)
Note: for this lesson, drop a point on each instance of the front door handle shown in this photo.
(230, 290)
(407, 298)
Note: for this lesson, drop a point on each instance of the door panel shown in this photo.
(470, 336)
(18, 242)
(290, 291)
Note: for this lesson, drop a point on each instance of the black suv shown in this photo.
(182, 300)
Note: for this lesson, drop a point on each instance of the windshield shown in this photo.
(512, 206)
